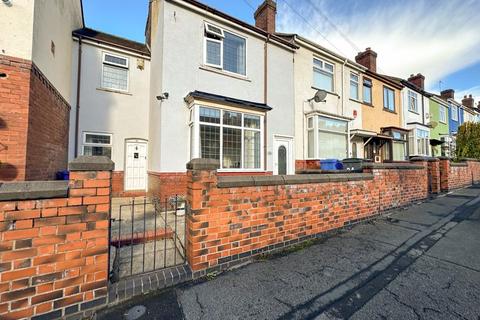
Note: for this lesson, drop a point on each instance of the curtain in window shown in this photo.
(398, 151)
(323, 80)
(234, 53)
(232, 148)
(332, 145)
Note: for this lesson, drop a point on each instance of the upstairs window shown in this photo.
(443, 114)
(367, 91)
(322, 75)
(97, 144)
(225, 50)
(354, 86)
(115, 72)
(388, 99)
(412, 101)
(454, 112)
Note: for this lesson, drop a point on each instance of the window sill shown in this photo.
(225, 73)
(355, 100)
(328, 92)
(115, 91)
(412, 111)
(368, 104)
(388, 110)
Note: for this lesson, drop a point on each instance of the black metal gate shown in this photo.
(146, 235)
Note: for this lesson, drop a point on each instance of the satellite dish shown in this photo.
(432, 124)
(319, 96)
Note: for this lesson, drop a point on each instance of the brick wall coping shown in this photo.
(203, 164)
(444, 158)
(459, 164)
(253, 181)
(317, 171)
(33, 190)
(91, 163)
(400, 165)
(427, 159)
(470, 159)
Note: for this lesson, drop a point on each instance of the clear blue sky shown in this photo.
(126, 18)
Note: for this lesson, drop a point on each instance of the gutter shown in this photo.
(77, 111)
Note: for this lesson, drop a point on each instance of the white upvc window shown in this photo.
(225, 50)
(443, 114)
(419, 141)
(323, 75)
(454, 109)
(115, 72)
(97, 144)
(233, 137)
(354, 85)
(412, 101)
(327, 137)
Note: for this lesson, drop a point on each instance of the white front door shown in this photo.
(283, 155)
(136, 165)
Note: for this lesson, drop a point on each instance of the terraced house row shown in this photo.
(203, 85)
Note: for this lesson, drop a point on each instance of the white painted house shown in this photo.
(322, 129)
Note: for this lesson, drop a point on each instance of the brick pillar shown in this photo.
(201, 174)
(444, 173)
(54, 244)
(423, 161)
(434, 175)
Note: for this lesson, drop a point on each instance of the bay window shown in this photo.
(419, 142)
(225, 50)
(327, 137)
(232, 137)
(323, 75)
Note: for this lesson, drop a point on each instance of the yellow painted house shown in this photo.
(382, 137)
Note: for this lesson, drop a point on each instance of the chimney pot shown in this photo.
(468, 101)
(368, 59)
(265, 16)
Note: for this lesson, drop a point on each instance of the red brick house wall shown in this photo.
(34, 123)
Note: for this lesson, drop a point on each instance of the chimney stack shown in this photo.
(468, 101)
(418, 80)
(448, 94)
(265, 16)
(368, 59)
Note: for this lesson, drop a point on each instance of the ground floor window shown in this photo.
(97, 144)
(398, 151)
(327, 137)
(232, 137)
(419, 142)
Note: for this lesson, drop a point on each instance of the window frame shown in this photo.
(113, 64)
(454, 114)
(412, 95)
(221, 41)
(322, 69)
(358, 85)
(90, 144)
(370, 87)
(445, 114)
(195, 123)
(316, 130)
(386, 108)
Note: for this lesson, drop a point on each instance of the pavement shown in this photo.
(422, 262)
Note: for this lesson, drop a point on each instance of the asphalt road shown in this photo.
(419, 263)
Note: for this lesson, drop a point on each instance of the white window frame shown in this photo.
(127, 67)
(89, 144)
(323, 69)
(412, 98)
(194, 126)
(316, 130)
(443, 114)
(454, 113)
(222, 37)
(358, 85)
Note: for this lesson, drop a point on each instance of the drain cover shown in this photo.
(135, 312)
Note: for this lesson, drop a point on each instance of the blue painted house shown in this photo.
(455, 111)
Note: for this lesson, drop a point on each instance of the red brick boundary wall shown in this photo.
(54, 251)
(34, 121)
(454, 175)
(234, 218)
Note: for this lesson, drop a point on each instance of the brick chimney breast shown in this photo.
(468, 101)
(368, 59)
(418, 80)
(265, 16)
(448, 94)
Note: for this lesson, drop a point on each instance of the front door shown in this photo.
(282, 155)
(136, 165)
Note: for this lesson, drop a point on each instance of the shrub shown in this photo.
(468, 141)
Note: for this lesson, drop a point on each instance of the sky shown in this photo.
(438, 38)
